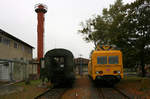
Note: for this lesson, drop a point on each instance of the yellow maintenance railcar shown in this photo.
(106, 64)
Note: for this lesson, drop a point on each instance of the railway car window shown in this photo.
(60, 61)
(62, 65)
(113, 59)
(102, 60)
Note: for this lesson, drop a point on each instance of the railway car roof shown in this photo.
(110, 51)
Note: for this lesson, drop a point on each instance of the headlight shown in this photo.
(117, 72)
(97, 72)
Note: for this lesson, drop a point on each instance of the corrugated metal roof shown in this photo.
(14, 38)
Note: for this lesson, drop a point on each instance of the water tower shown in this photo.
(40, 9)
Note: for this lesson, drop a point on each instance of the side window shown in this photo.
(0, 39)
(16, 45)
(29, 51)
(22, 48)
(113, 60)
(6, 41)
(102, 60)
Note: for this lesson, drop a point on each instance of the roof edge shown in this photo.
(15, 38)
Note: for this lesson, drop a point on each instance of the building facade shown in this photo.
(81, 65)
(15, 57)
(14, 48)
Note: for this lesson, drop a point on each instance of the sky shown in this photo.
(62, 22)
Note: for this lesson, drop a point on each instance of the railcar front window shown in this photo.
(60, 61)
(102, 60)
(113, 60)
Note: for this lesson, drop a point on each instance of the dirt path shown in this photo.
(82, 89)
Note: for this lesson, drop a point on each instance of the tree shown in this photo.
(127, 27)
(104, 29)
(137, 26)
(95, 30)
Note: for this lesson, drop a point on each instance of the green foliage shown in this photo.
(136, 25)
(33, 82)
(105, 28)
(127, 27)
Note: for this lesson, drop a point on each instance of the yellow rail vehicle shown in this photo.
(106, 64)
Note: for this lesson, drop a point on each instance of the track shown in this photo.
(111, 93)
(53, 93)
(100, 93)
(122, 93)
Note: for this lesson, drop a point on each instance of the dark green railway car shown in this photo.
(59, 65)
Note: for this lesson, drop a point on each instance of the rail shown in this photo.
(107, 93)
(122, 93)
(39, 96)
(52, 93)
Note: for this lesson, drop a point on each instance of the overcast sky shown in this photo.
(62, 20)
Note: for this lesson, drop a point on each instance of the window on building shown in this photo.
(78, 61)
(6, 41)
(29, 51)
(16, 45)
(1, 39)
(113, 59)
(102, 60)
(22, 48)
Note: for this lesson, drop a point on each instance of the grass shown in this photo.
(135, 85)
(145, 84)
(135, 79)
(2, 83)
(29, 91)
(33, 82)
(131, 78)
